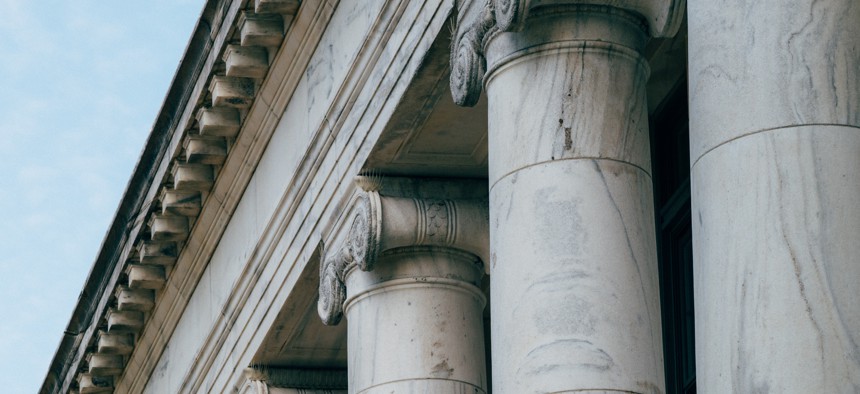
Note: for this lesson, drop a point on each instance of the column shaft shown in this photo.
(775, 137)
(415, 323)
(575, 299)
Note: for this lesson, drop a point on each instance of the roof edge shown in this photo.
(133, 199)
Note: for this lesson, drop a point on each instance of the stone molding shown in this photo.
(662, 18)
(380, 64)
(249, 129)
(181, 189)
(380, 224)
(386, 56)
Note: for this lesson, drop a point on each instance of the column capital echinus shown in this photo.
(662, 18)
(379, 224)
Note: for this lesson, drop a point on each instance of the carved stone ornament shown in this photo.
(361, 248)
(260, 380)
(332, 290)
(509, 14)
(458, 224)
(468, 63)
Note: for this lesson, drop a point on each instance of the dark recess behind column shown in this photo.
(670, 145)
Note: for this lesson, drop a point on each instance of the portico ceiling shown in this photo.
(427, 136)
(299, 339)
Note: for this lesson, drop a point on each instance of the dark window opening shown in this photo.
(670, 142)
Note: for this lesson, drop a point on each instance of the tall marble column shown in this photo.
(574, 287)
(408, 281)
(775, 152)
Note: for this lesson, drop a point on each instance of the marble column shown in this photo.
(775, 152)
(574, 288)
(407, 278)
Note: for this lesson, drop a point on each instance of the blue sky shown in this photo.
(80, 85)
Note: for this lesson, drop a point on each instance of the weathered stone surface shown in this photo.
(276, 380)
(219, 121)
(115, 343)
(180, 202)
(663, 17)
(140, 300)
(276, 6)
(470, 55)
(91, 384)
(235, 92)
(158, 253)
(168, 227)
(104, 364)
(265, 30)
(124, 321)
(146, 276)
(205, 150)
(250, 62)
(776, 77)
(199, 177)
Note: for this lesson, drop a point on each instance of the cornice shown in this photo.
(183, 249)
(111, 257)
(259, 122)
(201, 125)
(320, 186)
(187, 259)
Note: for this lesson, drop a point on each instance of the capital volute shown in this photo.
(468, 62)
(379, 223)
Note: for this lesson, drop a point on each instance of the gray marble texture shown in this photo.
(774, 116)
(575, 303)
(760, 65)
(775, 254)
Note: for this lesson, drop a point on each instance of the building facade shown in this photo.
(474, 196)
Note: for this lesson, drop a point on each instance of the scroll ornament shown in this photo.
(468, 64)
(361, 249)
(509, 14)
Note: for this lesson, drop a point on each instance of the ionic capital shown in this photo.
(662, 16)
(379, 224)
(468, 62)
